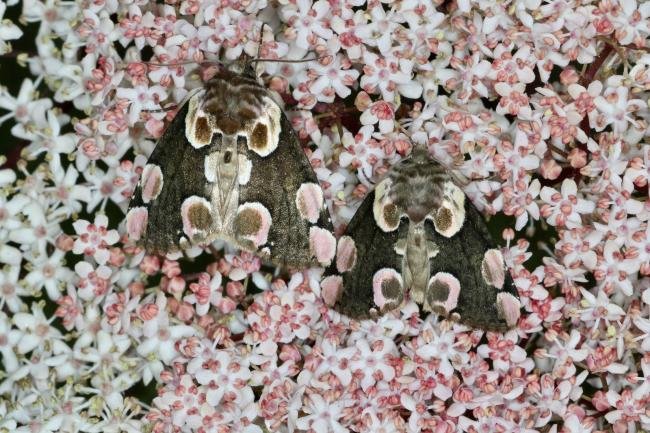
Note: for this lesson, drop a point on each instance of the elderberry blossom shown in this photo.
(539, 111)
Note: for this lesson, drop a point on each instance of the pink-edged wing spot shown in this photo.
(322, 245)
(346, 254)
(136, 222)
(387, 288)
(309, 201)
(152, 182)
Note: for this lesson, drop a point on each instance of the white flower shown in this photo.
(336, 76)
(307, 22)
(94, 239)
(322, 416)
(386, 74)
(8, 31)
(616, 109)
(37, 332)
(564, 207)
(159, 334)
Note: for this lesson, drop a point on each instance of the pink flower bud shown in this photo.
(569, 76)
(150, 265)
(235, 290)
(176, 285)
(117, 257)
(599, 401)
(550, 169)
(185, 312)
(64, 242)
(290, 353)
(577, 158)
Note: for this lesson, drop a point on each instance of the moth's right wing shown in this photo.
(173, 173)
(353, 281)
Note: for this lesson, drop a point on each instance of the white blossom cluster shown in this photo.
(542, 105)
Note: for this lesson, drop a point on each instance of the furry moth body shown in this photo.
(230, 167)
(418, 234)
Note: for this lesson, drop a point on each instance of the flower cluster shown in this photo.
(541, 106)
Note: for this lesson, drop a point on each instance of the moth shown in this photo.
(417, 235)
(229, 166)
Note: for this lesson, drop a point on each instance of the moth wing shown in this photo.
(172, 173)
(364, 252)
(300, 233)
(487, 298)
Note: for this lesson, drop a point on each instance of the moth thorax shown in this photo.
(418, 196)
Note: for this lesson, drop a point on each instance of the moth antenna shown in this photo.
(175, 106)
(366, 177)
(185, 62)
(290, 60)
(259, 44)
(171, 107)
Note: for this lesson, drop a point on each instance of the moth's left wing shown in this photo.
(487, 297)
(284, 183)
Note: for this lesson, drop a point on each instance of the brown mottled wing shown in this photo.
(462, 255)
(375, 250)
(274, 182)
(181, 166)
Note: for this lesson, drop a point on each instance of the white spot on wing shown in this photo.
(244, 172)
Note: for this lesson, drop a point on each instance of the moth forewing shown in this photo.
(418, 237)
(230, 167)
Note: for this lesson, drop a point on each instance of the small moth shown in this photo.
(229, 166)
(418, 235)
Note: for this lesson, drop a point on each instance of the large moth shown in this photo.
(229, 166)
(417, 235)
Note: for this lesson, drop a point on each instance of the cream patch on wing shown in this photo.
(198, 129)
(448, 219)
(244, 170)
(508, 308)
(331, 289)
(264, 135)
(442, 293)
(322, 245)
(252, 223)
(346, 254)
(386, 213)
